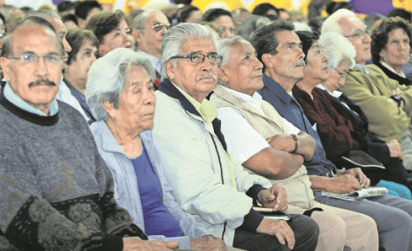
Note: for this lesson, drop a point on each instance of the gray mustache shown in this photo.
(207, 75)
(42, 82)
(300, 63)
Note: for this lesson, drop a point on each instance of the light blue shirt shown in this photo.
(156, 62)
(17, 101)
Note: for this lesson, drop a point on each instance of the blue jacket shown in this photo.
(291, 110)
(126, 187)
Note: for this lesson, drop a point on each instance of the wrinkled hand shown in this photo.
(394, 148)
(278, 228)
(207, 243)
(137, 244)
(344, 183)
(282, 142)
(275, 197)
(358, 174)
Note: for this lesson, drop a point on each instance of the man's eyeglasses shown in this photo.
(214, 58)
(341, 74)
(31, 58)
(159, 26)
(359, 34)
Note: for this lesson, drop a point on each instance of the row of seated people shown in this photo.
(210, 187)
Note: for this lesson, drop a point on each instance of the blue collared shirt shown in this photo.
(19, 102)
(156, 62)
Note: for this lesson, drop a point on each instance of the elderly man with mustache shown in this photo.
(207, 182)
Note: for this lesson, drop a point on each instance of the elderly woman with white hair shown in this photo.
(342, 122)
(120, 95)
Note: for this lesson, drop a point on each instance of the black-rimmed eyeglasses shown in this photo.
(214, 58)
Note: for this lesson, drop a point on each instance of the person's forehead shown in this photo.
(198, 44)
(397, 32)
(349, 26)
(156, 16)
(286, 37)
(31, 38)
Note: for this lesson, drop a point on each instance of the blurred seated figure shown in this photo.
(190, 14)
(391, 47)
(111, 30)
(297, 15)
(398, 12)
(373, 20)
(66, 6)
(239, 15)
(207, 182)
(221, 18)
(120, 94)
(250, 25)
(338, 135)
(267, 10)
(84, 52)
(265, 144)
(70, 20)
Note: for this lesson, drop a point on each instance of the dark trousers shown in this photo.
(306, 237)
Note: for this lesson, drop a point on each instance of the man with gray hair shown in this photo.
(386, 103)
(270, 146)
(64, 93)
(279, 49)
(57, 192)
(148, 30)
(208, 182)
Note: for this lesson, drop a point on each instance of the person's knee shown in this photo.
(306, 232)
(332, 231)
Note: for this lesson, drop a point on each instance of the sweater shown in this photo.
(57, 192)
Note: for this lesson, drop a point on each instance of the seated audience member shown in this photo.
(283, 14)
(250, 25)
(221, 18)
(338, 135)
(64, 93)
(386, 103)
(262, 142)
(57, 192)
(341, 57)
(391, 47)
(206, 182)
(121, 95)
(66, 6)
(190, 14)
(85, 10)
(13, 17)
(333, 6)
(267, 10)
(84, 52)
(70, 21)
(372, 20)
(239, 15)
(111, 30)
(297, 15)
(148, 31)
(279, 49)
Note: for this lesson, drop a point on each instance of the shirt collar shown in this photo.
(207, 110)
(255, 100)
(392, 70)
(335, 93)
(17, 101)
(157, 63)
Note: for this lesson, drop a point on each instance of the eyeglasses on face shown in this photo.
(213, 57)
(32, 58)
(358, 34)
(341, 74)
(159, 26)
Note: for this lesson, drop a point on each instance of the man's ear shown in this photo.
(108, 106)
(5, 66)
(170, 70)
(267, 60)
(221, 73)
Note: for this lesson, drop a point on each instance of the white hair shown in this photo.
(331, 24)
(175, 37)
(337, 48)
(301, 27)
(106, 78)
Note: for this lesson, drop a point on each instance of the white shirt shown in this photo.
(240, 136)
(66, 96)
(392, 70)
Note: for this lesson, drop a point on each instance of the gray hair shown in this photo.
(106, 78)
(331, 24)
(45, 14)
(175, 37)
(337, 48)
(225, 46)
(250, 25)
(140, 20)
